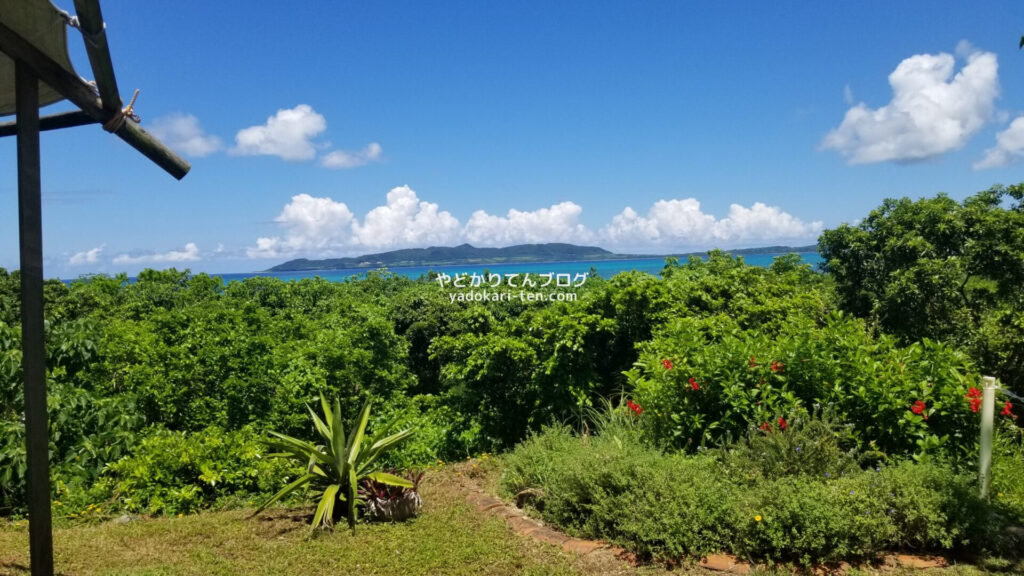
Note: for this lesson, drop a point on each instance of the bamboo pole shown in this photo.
(90, 21)
(52, 122)
(33, 351)
(81, 94)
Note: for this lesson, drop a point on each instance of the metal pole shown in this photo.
(33, 358)
(988, 408)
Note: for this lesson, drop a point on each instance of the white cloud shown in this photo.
(287, 134)
(681, 224)
(321, 227)
(342, 159)
(189, 254)
(182, 133)
(311, 224)
(1009, 148)
(405, 221)
(555, 224)
(931, 111)
(86, 257)
(325, 227)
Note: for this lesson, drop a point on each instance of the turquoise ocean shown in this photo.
(605, 268)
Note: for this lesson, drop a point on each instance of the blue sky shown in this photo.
(342, 128)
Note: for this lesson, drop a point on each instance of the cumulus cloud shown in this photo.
(681, 224)
(405, 221)
(1009, 148)
(86, 257)
(182, 132)
(288, 134)
(555, 224)
(321, 227)
(189, 254)
(311, 224)
(932, 111)
(343, 159)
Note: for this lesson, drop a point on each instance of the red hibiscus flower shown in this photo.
(974, 398)
(634, 407)
(766, 427)
(782, 423)
(776, 366)
(667, 364)
(1007, 410)
(693, 383)
(919, 407)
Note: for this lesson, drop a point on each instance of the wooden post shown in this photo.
(81, 94)
(33, 359)
(52, 122)
(90, 21)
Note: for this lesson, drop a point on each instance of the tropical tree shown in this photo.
(941, 269)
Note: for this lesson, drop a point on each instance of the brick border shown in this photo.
(528, 527)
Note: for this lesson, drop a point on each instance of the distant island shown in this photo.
(467, 254)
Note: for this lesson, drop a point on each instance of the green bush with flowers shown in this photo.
(777, 507)
(706, 379)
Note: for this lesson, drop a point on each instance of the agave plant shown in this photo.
(336, 467)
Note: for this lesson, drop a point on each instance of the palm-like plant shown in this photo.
(336, 467)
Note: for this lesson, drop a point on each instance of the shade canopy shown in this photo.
(45, 26)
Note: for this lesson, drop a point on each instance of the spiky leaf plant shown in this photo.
(336, 467)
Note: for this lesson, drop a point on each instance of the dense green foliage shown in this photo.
(665, 505)
(940, 269)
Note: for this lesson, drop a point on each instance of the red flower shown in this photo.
(918, 408)
(694, 384)
(667, 364)
(752, 363)
(782, 423)
(634, 407)
(1007, 410)
(974, 397)
(766, 427)
(776, 366)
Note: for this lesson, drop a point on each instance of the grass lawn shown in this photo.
(449, 538)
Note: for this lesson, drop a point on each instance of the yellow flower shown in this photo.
(180, 515)
(757, 518)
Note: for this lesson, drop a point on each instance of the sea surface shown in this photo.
(605, 268)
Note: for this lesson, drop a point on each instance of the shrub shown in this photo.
(704, 380)
(809, 521)
(1008, 472)
(934, 507)
(179, 472)
(811, 446)
(435, 426)
(617, 489)
(671, 505)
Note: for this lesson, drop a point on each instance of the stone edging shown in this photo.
(526, 526)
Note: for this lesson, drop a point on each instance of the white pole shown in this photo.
(988, 409)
